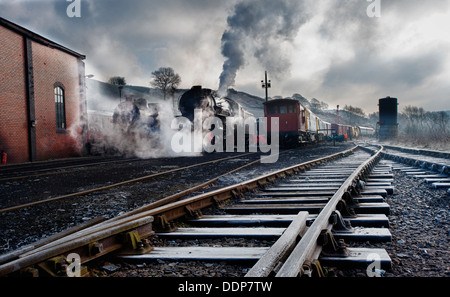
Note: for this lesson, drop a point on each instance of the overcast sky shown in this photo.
(325, 49)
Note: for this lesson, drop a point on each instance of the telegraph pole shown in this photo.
(266, 85)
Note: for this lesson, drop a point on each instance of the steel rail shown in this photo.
(127, 182)
(418, 151)
(17, 253)
(438, 163)
(308, 248)
(176, 197)
(50, 171)
(158, 216)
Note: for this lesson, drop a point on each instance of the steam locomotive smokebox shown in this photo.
(196, 97)
(388, 118)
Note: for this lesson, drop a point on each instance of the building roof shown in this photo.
(38, 38)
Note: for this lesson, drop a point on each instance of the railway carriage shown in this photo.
(324, 129)
(312, 125)
(292, 120)
(298, 124)
(366, 131)
(343, 132)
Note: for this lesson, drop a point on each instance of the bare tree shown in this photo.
(415, 117)
(117, 80)
(305, 102)
(444, 119)
(166, 80)
(355, 110)
(315, 104)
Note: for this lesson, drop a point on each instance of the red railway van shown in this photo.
(292, 119)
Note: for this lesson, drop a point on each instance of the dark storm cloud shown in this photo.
(128, 38)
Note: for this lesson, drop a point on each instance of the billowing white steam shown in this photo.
(260, 28)
(131, 140)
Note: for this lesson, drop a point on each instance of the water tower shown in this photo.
(388, 124)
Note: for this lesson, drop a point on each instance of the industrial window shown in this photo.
(60, 108)
(283, 109)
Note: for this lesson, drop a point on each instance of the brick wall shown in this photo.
(50, 66)
(54, 66)
(13, 105)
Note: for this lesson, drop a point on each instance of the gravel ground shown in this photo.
(421, 229)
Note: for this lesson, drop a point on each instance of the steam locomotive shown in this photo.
(213, 105)
(210, 103)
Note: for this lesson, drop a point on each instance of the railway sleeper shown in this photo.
(358, 234)
(314, 208)
(306, 200)
(359, 257)
(270, 220)
(441, 185)
(307, 192)
(342, 256)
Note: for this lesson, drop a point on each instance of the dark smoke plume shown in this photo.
(260, 28)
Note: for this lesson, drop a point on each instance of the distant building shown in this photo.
(42, 97)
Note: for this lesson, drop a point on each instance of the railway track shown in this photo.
(55, 167)
(169, 180)
(144, 178)
(308, 215)
(299, 207)
(432, 166)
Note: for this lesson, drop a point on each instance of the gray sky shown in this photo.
(325, 49)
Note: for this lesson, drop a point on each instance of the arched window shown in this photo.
(60, 107)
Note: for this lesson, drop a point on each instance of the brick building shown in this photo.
(42, 97)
